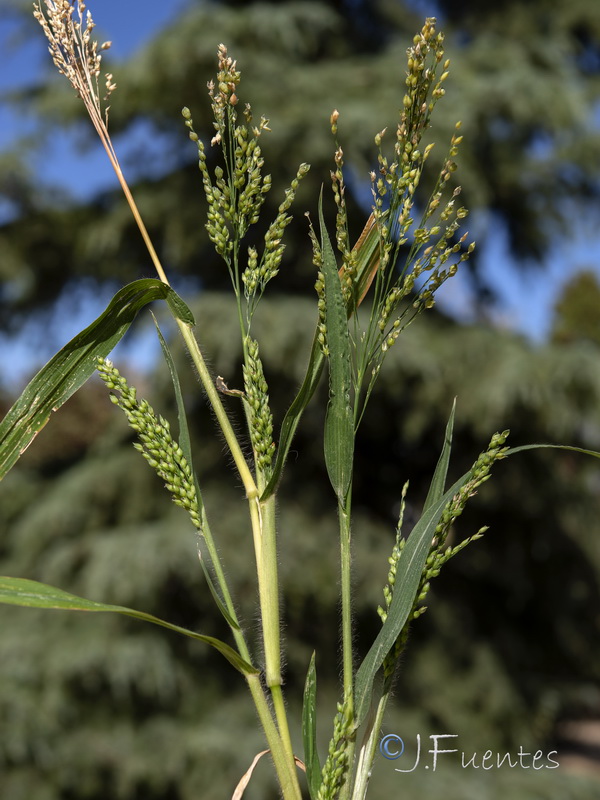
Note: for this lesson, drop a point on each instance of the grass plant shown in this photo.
(393, 269)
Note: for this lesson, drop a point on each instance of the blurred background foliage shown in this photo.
(508, 653)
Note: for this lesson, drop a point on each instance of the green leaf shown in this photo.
(70, 368)
(32, 594)
(185, 444)
(309, 730)
(367, 248)
(408, 575)
(339, 420)
(215, 593)
(511, 451)
(184, 433)
(177, 306)
(438, 482)
(294, 412)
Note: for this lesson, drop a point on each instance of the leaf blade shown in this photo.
(291, 420)
(438, 482)
(33, 594)
(512, 450)
(368, 262)
(339, 420)
(71, 367)
(309, 730)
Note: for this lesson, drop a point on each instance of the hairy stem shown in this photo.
(346, 591)
(284, 765)
(269, 593)
(344, 513)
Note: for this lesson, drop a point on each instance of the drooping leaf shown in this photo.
(70, 368)
(438, 482)
(339, 420)
(32, 594)
(511, 451)
(309, 730)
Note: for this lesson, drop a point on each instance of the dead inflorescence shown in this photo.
(68, 26)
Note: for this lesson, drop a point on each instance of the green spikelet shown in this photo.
(156, 443)
(439, 554)
(336, 765)
(260, 419)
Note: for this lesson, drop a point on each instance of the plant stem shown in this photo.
(264, 532)
(269, 592)
(102, 132)
(278, 741)
(284, 766)
(282, 721)
(221, 414)
(344, 515)
(268, 587)
(344, 521)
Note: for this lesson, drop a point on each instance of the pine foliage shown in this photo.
(524, 84)
(102, 706)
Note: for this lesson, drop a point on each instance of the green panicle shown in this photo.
(156, 443)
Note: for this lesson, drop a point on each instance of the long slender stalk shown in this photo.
(221, 414)
(346, 592)
(268, 577)
(344, 514)
(284, 766)
(278, 737)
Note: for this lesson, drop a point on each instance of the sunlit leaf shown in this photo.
(71, 367)
(438, 482)
(367, 248)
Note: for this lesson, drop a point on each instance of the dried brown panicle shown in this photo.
(68, 27)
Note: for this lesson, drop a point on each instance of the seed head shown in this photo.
(68, 27)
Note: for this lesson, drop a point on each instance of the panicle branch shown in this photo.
(260, 419)
(434, 246)
(237, 190)
(68, 26)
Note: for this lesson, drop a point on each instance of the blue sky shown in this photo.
(526, 299)
(128, 24)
